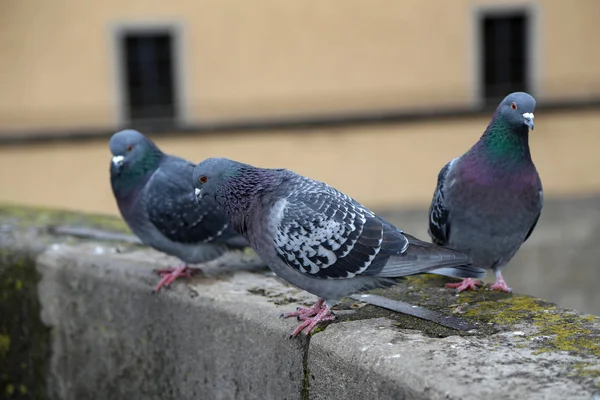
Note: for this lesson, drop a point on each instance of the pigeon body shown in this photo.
(488, 201)
(155, 196)
(316, 237)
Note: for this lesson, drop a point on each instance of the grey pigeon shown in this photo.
(488, 201)
(317, 238)
(155, 195)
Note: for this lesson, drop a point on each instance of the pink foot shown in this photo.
(468, 283)
(310, 322)
(168, 275)
(501, 286)
(304, 313)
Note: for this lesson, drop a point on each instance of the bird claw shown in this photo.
(302, 313)
(501, 286)
(310, 317)
(169, 275)
(468, 283)
(311, 322)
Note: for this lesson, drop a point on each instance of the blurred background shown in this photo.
(370, 96)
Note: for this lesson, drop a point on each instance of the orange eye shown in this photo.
(203, 179)
(130, 148)
(513, 106)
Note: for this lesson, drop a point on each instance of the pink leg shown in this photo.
(468, 283)
(500, 284)
(168, 275)
(309, 323)
(304, 313)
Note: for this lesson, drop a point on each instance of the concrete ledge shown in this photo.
(217, 336)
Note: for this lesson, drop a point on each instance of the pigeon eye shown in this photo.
(203, 179)
(513, 106)
(129, 148)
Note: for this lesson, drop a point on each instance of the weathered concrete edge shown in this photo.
(375, 348)
(225, 335)
(327, 348)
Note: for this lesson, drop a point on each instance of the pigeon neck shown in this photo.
(134, 177)
(241, 195)
(503, 143)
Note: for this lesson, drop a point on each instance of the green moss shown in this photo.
(249, 252)
(483, 295)
(24, 339)
(557, 330)
(4, 345)
(585, 370)
(509, 311)
(319, 328)
(42, 217)
(305, 392)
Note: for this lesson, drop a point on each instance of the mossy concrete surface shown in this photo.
(24, 339)
(43, 218)
(79, 321)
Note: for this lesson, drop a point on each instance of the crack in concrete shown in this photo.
(305, 392)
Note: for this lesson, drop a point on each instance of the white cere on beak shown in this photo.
(118, 160)
(197, 192)
(528, 120)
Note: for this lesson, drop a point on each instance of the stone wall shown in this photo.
(79, 320)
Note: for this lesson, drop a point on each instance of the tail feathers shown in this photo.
(422, 257)
(460, 271)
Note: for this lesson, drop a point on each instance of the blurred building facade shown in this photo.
(186, 65)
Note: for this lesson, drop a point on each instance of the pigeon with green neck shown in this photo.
(487, 202)
(156, 198)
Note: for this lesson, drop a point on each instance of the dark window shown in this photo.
(504, 55)
(148, 71)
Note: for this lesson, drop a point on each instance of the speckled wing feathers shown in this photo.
(324, 233)
(439, 227)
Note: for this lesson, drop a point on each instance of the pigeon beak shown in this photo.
(198, 193)
(117, 161)
(116, 166)
(528, 120)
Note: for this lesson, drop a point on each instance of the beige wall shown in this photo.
(267, 58)
(383, 167)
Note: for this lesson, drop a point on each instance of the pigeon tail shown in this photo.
(422, 257)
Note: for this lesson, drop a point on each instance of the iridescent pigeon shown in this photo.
(317, 238)
(155, 195)
(488, 201)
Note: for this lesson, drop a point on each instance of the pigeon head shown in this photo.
(517, 109)
(134, 158)
(506, 139)
(211, 174)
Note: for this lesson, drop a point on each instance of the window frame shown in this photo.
(118, 31)
(531, 11)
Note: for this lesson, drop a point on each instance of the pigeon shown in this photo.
(317, 238)
(488, 201)
(155, 196)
